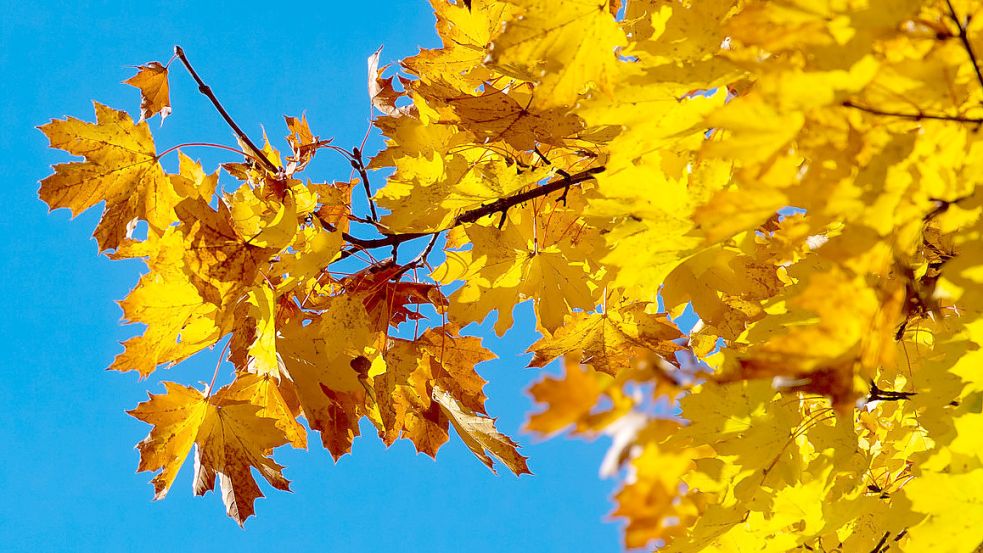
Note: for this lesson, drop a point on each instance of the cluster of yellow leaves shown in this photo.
(800, 177)
(255, 266)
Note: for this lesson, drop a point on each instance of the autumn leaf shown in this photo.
(387, 299)
(155, 95)
(120, 168)
(566, 47)
(276, 399)
(609, 341)
(381, 92)
(179, 323)
(480, 435)
(413, 368)
(230, 439)
(323, 369)
(568, 400)
(220, 260)
(751, 230)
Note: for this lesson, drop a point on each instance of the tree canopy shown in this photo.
(800, 177)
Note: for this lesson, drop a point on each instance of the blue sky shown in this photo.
(68, 479)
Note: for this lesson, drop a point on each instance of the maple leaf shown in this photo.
(120, 168)
(276, 400)
(566, 47)
(480, 435)
(381, 92)
(323, 368)
(191, 180)
(568, 400)
(155, 96)
(497, 115)
(503, 267)
(439, 358)
(229, 436)
(465, 33)
(302, 142)
(387, 300)
(610, 340)
(220, 260)
(179, 322)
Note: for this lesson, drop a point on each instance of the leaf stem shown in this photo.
(221, 357)
(204, 145)
(207, 91)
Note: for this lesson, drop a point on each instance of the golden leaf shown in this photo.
(480, 435)
(155, 96)
(120, 168)
(230, 436)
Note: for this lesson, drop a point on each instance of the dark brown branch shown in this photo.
(501, 205)
(877, 394)
(880, 544)
(914, 116)
(504, 204)
(207, 91)
(964, 38)
(359, 165)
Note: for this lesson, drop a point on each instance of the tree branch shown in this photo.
(914, 116)
(207, 91)
(359, 165)
(964, 38)
(501, 205)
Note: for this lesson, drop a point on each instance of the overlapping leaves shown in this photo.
(798, 179)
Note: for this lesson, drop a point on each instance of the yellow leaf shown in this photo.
(120, 168)
(179, 323)
(566, 47)
(480, 435)
(263, 358)
(322, 358)
(265, 392)
(191, 180)
(263, 222)
(953, 508)
(611, 340)
(526, 259)
(567, 399)
(230, 436)
(220, 260)
(465, 33)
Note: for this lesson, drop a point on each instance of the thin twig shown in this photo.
(964, 38)
(207, 91)
(914, 116)
(501, 205)
(359, 166)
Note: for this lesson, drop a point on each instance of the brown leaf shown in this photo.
(155, 96)
(381, 91)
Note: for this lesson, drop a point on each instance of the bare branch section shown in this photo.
(207, 91)
(359, 165)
